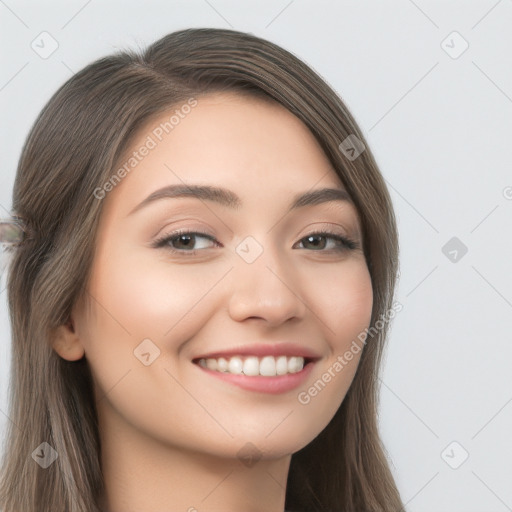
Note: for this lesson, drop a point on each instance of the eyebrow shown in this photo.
(229, 199)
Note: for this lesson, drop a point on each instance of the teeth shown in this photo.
(282, 365)
(268, 366)
(211, 364)
(222, 365)
(235, 365)
(251, 366)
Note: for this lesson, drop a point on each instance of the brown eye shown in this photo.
(184, 242)
(319, 241)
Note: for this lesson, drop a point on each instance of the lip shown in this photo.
(262, 350)
(270, 385)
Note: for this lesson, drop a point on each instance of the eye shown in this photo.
(319, 241)
(184, 241)
(189, 242)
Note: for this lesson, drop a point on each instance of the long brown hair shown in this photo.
(72, 150)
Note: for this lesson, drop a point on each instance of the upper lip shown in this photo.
(261, 350)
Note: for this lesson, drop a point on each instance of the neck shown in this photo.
(142, 474)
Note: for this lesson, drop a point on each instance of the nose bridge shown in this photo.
(263, 283)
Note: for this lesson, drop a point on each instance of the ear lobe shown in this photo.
(66, 342)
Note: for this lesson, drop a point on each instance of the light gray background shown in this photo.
(441, 130)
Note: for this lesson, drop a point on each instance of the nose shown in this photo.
(264, 290)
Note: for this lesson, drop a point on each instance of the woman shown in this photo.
(206, 243)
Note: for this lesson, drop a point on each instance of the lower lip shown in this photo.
(270, 385)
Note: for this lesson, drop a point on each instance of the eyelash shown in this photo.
(347, 244)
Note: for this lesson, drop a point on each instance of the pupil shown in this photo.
(186, 238)
(311, 238)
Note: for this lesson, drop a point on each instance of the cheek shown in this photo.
(344, 305)
(149, 299)
(342, 298)
(134, 300)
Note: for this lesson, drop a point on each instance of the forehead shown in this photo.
(248, 144)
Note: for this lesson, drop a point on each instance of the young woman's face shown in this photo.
(254, 279)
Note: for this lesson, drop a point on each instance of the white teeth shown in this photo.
(235, 365)
(295, 364)
(251, 366)
(268, 366)
(222, 365)
(281, 365)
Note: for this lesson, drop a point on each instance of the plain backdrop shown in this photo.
(430, 84)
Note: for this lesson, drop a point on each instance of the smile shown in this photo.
(268, 366)
(268, 374)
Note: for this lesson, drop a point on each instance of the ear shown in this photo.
(67, 343)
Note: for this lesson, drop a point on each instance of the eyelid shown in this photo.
(351, 234)
(186, 224)
(339, 230)
(160, 241)
(347, 242)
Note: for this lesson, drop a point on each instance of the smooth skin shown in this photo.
(170, 432)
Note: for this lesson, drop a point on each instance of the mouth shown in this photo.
(267, 374)
(253, 366)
